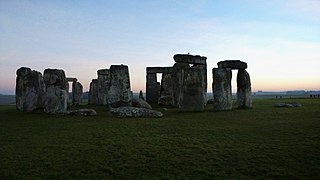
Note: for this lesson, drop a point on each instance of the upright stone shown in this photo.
(141, 95)
(203, 69)
(221, 88)
(77, 93)
(152, 89)
(30, 90)
(93, 92)
(103, 86)
(56, 91)
(244, 99)
(191, 98)
(166, 93)
(177, 81)
(119, 92)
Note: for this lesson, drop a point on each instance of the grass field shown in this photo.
(263, 142)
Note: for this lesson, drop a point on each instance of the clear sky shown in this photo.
(279, 39)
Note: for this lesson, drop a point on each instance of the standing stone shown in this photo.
(29, 90)
(141, 95)
(244, 99)
(203, 69)
(119, 92)
(77, 93)
(166, 93)
(103, 86)
(191, 96)
(221, 88)
(56, 91)
(177, 81)
(93, 92)
(152, 88)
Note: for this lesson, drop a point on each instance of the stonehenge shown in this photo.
(183, 85)
(171, 90)
(221, 86)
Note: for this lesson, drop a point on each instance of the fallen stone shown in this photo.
(127, 111)
(210, 101)
(141, 103)
(82, 112)
(288, 104)
(165, 101)
(232, 64)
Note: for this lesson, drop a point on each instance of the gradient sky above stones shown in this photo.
(279, 39)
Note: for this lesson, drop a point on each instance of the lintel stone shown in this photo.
(232, 64)
(190, 59)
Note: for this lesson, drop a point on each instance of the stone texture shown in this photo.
(71, 79)
(221, 88)
(103, 86)
(93, 92)
(119, 92)
(191, 95)
(30, 90)
(203, 69)
(244, 99)
(126, 111)
(82, 112)
(177, 81)
(154, 70)
(56, 93)
(190, 59)
(141, 103)
(77, 93)
(152, 88)
(166, 91)
(232, 64)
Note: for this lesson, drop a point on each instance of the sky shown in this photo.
(278, 39)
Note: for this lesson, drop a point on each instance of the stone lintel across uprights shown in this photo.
(70, 79)
(232, 64)
(190, 59)
(154, 70)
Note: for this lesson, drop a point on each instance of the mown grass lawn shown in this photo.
(263, 142)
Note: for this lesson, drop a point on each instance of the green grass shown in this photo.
(263, 142)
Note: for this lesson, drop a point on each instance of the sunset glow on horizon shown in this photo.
(278, 39)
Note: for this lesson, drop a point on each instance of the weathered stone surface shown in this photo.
(77, 93)
(127, 111)
(70, 79)
(165, 101)
(221, 88)
(141, 95)
(56, 93)
(203, 69)
(288, 104)
(30, 90)
(154, 70)
(103, 86)
(152, 88)
(141, 103)
(166, 91)
(244, 99)
(82, 112)
(190, 59)
(119, 92)
(177, 81)
(210, 101)
(56, 101)
(232, 64)
(191, 95)
(93, 92)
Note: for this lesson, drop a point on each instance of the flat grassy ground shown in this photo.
(262, 142)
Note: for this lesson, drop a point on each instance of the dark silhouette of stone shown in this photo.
(77, 93)
(152, 88)
(103, 86)
(119, 92)
(190, 59)
(221, 88)
(191, 95)
(244, 99)
(203, 69)
(166, 91)
(56, 93)
(30, 90)
(127, 111)
(232, 64)
(288, 104)
(141, 103)
(141, 95)
(93, 92)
